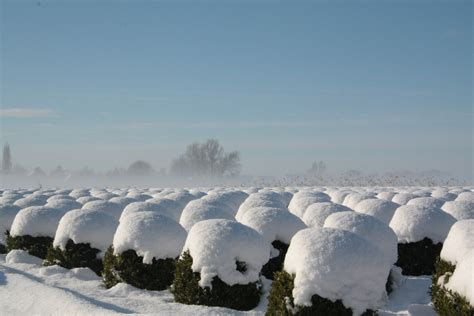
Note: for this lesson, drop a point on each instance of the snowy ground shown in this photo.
(27, 289)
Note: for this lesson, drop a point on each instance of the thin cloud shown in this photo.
(27, 113)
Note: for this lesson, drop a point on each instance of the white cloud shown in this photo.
(27, 113)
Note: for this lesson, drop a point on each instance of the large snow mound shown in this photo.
(428, 202)
(465, 196)
(369, 228)
(151, 235)
(316, 213)
(337, 264)
(273, 223)
(353, 199)
(203, 209)
(159, 208)
(63, 204)
(403, 198)
(301, 200)
(462, 279)
(413, 223)
(381, 209)
(21, 256)
(216, 244)
(36, 221)
(463, 209)
(172, 207)
(30, 201)
(83, 226)
(7, 215)
(459, 242)
(260, 199)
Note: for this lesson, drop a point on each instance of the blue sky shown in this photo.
(374, 86)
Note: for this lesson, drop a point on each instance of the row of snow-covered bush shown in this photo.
(329, 249)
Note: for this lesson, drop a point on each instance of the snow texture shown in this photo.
(216, 244)
(21, 256)
(110, 208)
(83, 226)
(413, 223)
(203, 209)
(369, 228)
(429, 202)
(159, 208)
(337, 264)
(317, 213)
(462, 279)
(36, 221)
(151, 235)
(459, 242)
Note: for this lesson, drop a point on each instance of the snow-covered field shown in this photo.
(325, 227)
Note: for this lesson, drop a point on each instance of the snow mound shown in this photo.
(273, 224)
(123, 201)
(60, 197)
(428, 202)
(151, 235)
(200, 210)
(465, 196)
(159, 208)
(459, 242)
(21, 256)
(136, 196)
(182, 197)
(63, 204)
(301, 200)
(463, 209)
(386, 195)
(353, 199)
(110, 208)
(216, 244)
(78, 193)
(413, 223)
(36, 221)
(338, 196)
(462, 279)
(403, 198)
(82, 226)
(337, 264)
(7, 215)
(85, 199)
(171, 207)
(317, 213)
(383, 210)
(30, 201)
(263, 199)
(444, 195)
(369, 228)
(102, 195)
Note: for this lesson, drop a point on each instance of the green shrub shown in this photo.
(447, 302)
(3, 249)
(280, 301)
(186, 288)
(128, 267)
(80, 255)
(275, 264)
(418, 258)
(35, 246)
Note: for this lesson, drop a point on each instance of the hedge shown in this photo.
(418, 258)
(80, 255)
(281, 302)
(35, 246)
(128, 267)
(186, 288)
(275, 264)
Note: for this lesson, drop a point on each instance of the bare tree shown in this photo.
(7, 159)
(206, 159)
(140, 168)
(318, 168)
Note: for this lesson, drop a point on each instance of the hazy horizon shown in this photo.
(371, 86)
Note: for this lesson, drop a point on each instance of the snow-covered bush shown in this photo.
(316, 213)
(428, 202)
(277, 226)
(31, 200)
(110, 208)
(7, 215)
(386, 195)
(353, 199)
(381, 209)
(403, 198)
(260, 199)
(301, 200)
(81, 240)
(453, 292)
(63, 204)
(460, 209)
(145, 247)
(421, 232)
(329, 272)
(203, 209)
(220, 265)
(33, 229)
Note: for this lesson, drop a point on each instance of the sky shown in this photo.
(369, 85)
